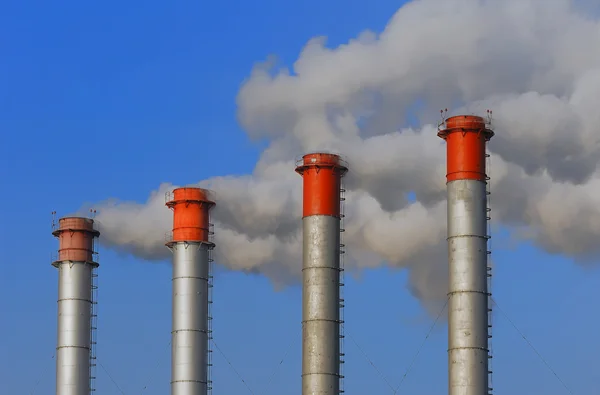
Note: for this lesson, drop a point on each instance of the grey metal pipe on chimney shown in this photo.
(321, 304)
(191, 330)
(468, 307)
(75, 345)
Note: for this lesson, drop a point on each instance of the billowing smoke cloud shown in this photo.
(535, 63)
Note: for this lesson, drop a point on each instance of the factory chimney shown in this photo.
(191, 244)
(468, 295)
(75, 349)
(321, 273)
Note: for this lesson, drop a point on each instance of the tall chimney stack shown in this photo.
(75, 351)
(191, 244)
(321, 270)
(468, 309)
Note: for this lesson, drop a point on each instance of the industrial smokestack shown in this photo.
(321, 270)
(75, 349)
(191, 244)
(468, 309)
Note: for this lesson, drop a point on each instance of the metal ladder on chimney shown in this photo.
(93, 328)
(209, 350)
(489, 268)
(341, 288)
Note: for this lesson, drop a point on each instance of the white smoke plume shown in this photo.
(536, 64)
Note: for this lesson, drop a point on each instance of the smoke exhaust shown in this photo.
(468, 304)
(75, 348)
(191, 245)
(321, 271)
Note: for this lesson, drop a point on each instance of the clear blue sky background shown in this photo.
(109, 99)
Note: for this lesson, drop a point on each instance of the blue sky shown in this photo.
(102, 100)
